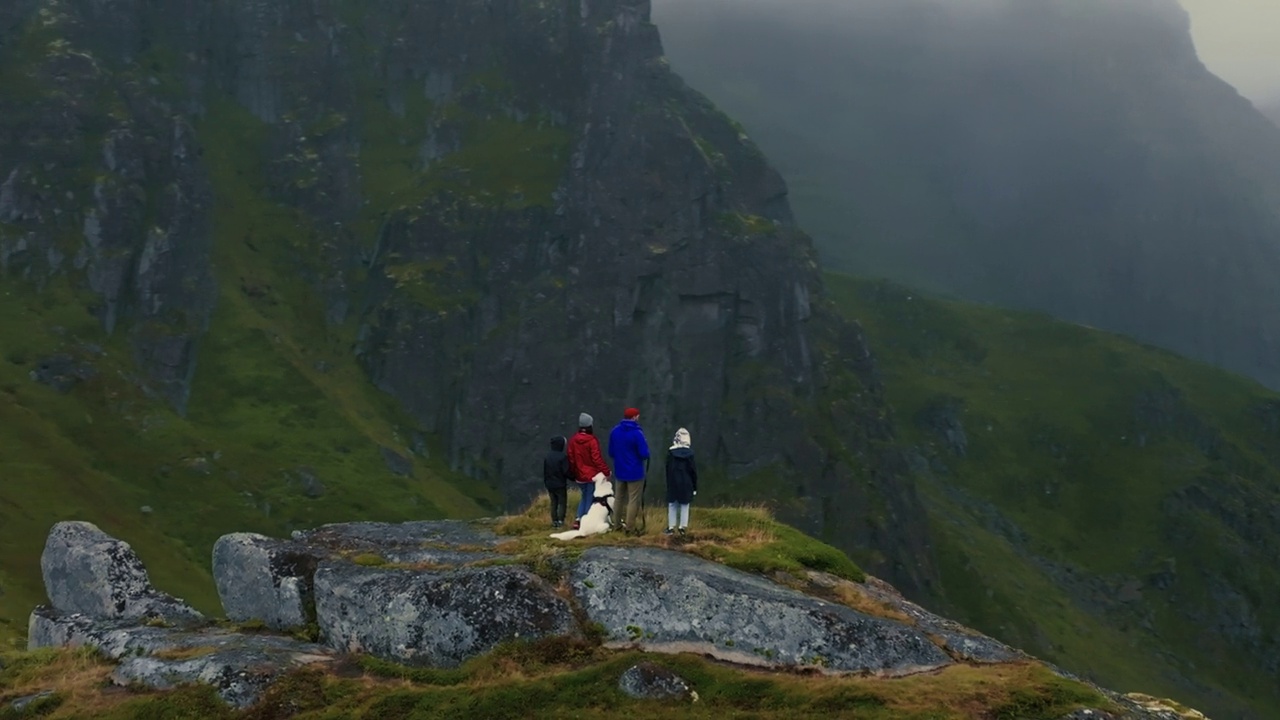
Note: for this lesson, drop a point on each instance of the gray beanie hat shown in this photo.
(584, 420)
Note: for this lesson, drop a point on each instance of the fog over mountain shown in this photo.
(1075, 157)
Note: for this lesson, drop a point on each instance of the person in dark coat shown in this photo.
(555, 475)
(682, 482)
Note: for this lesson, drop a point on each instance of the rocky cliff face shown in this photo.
(508, 211)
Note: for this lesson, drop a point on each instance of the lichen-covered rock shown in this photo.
(673, 602)
(239, 666)
(89, 572)
(240, 673)
(647, 681)
(434, 618)
(435, 542)
(960, 642)
(259, 578)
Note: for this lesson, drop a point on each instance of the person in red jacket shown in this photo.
(586, 462)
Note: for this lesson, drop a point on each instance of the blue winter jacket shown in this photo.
(629, 450)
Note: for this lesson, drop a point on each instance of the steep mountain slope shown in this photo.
(1109, 506)
(269, 265)
(1071, 156)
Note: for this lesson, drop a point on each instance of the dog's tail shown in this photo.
(567, 535)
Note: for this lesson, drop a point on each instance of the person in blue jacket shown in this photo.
(630, 453)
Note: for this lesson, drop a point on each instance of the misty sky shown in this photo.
(1240, 42)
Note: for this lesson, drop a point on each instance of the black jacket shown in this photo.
(682, 476)
(555, 466)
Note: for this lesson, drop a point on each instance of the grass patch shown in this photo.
(1081, 450)
(748, 538)
(549, 680)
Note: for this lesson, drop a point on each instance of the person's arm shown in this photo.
(693, 473)
(598, 459)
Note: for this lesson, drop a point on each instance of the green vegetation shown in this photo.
(746, 538)
(559, 678)
(277, 402)
(1080, 449)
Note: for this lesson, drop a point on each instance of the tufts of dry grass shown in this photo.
(745, 537)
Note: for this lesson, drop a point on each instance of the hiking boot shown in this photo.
(682, 532)
(576, 525)
(668, 531)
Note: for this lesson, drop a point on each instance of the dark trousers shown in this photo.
(559, 501)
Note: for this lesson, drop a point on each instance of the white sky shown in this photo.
(1240, 42)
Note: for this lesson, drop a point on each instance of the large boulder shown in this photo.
(270, 580)
(239, 666)
(674, 602)
(434, 618)
(89, 572)
(259, 578)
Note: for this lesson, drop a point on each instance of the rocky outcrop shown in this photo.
(239, 666)
(90, 573)
(663, 600)
(435, 618)
(272, 581)
(649, 681)
(263, 579)
(658, 600)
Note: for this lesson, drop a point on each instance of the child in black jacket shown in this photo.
(556, 476)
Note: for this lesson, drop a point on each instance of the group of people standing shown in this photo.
(578, 461)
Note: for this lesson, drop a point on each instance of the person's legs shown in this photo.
(620, 490)
(635, 491)
(684, 516)
(588, 494)
(559, 502)
(672, 509)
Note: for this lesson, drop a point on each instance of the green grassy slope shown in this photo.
(1108, 506)
(277, 396)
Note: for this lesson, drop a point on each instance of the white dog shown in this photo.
(596, 520)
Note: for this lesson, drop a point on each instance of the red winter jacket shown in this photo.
(585, 458)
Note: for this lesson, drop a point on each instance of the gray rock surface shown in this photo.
(239, 672)
(960, 642)
(238, 665)
(648, 681)
(87, 571)
(259, 578)
(262, 578)
(434, 618)
(438, 542)
(30, 702)
(672, 602)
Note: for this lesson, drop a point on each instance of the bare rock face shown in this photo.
(664, 600)
(435, 618)
(259, 578)
(87, 571)
(272, 581)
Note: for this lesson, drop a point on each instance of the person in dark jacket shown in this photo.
(630, 453)
(682, 482)
(586, 463)
(555, 475)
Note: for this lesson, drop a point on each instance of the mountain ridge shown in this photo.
(1072, 158)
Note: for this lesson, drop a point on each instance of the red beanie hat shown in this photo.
(631, 414)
